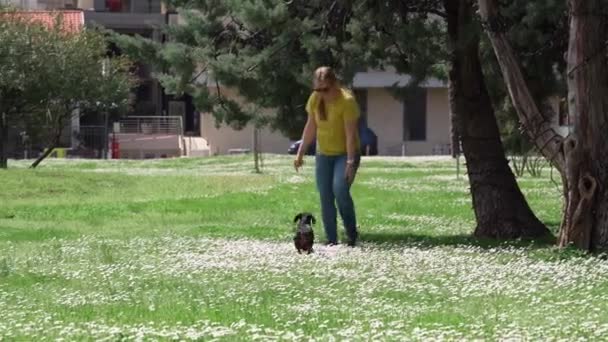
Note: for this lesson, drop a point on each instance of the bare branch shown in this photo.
(538, 127)
(200, 73)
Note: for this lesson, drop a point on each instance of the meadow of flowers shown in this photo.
(199, 249)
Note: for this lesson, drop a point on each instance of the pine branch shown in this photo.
(290, 41)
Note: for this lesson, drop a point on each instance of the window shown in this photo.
(146, 6)
(144, 91)
(116, 5)
(414, 115)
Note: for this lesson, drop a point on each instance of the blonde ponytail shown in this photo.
(324, 74)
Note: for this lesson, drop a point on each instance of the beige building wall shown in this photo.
(385, 118)
(221, 140)
(224, 138)
(86, 4)
(384, 115)
(437, 125)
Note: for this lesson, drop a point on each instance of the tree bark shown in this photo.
(585, 221)
(582, 157)
(54, 143)
(500, 208)
(256, 152)
(46, 153)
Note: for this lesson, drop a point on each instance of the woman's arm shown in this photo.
(350, 128)
(351, 149)
(308, 135)
(310, 130)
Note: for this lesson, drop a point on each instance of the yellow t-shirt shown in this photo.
(331, 133)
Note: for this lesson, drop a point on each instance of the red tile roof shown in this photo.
(73, 20)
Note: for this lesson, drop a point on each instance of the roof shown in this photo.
(383, 79)
(73, 20)
(362, 80)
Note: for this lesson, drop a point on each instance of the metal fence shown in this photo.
(151, 125)
(442, 149)
(91, 142)
(94, 141)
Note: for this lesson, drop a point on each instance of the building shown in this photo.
(131, 17)
(419, 124)
(415, 124)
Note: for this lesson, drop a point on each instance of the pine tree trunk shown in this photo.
(256, 154)
(585, 222)
(3, 143)
(500, 208)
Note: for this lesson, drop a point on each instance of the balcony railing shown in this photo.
(152, 125)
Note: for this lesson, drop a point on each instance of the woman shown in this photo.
(333, 114)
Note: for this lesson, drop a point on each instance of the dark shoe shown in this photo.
(330, 243)
(352, 241)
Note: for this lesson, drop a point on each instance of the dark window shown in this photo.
(414, 115)
(144, 91)
(146, 6)
(128, 6)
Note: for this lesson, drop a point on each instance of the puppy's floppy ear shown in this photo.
(314, 220)
(298, 217)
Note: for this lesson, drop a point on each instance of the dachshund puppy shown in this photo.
(305, 237)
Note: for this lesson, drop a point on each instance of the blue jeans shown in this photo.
(333, 187)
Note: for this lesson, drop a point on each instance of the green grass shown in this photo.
(200, 249)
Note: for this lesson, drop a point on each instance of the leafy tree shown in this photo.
(21, 59)
(47, 75)
(80, 78)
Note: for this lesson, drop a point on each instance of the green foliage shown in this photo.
(21, 85)
(267, 51)
(46, 74)
(81, 77)
(21, 57)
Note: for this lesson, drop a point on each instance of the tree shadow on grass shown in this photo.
(540, 249)
(462, 240)
(34, 234)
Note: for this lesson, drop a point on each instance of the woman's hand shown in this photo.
(349, 172)
(308, 135)
(298, 162)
